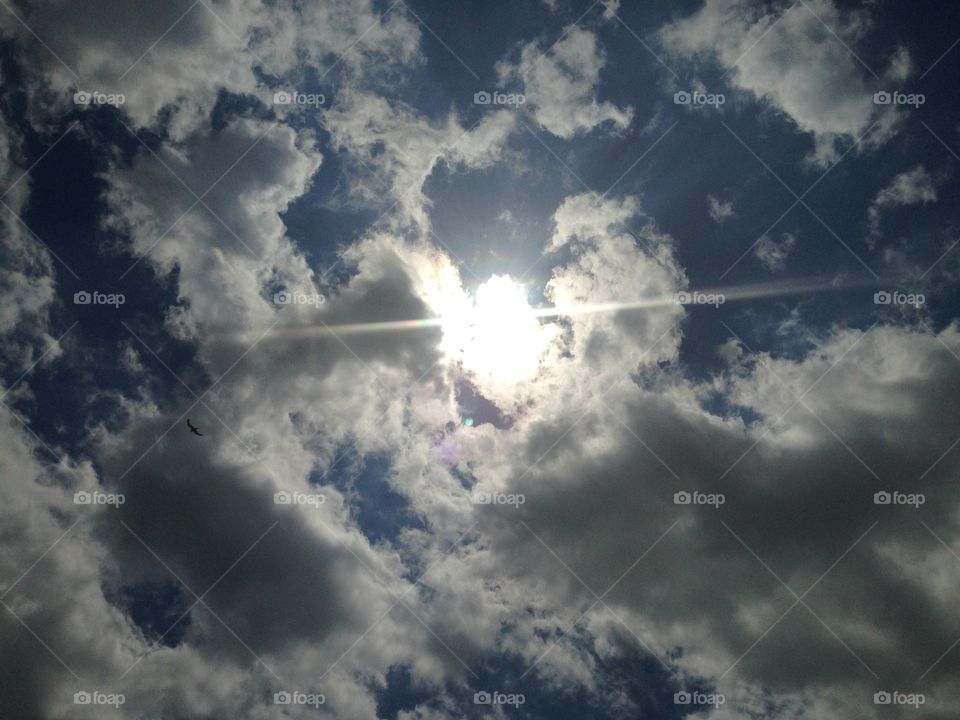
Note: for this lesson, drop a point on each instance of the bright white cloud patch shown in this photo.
(719, 210)
(800, 58)
(397, 149)
(913, 187)
(772, 254)
(171, 60)
(561, 85)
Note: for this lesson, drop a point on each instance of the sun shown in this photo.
(496, 336)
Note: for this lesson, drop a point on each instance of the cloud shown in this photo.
(561, 85)
(26, 268)
(610, 7)
(610, 265)
(302, 401)
(772, 254)
(913, 187)
(287, 589)
(701, 599)
(172, 61)
(397, 149)
(789, 59)
(719, 210)
(228, 254)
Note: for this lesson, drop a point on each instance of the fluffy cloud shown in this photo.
(912, 187)
(192, 209)
(561, 85)
(227, 253)
(788, 58)
(609, 266)
(799, 492)
(397, 149)
(772, 254)
(719, 210)
(26, 268)
(172, 61)
(303, 400)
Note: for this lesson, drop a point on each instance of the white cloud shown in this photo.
(229, 249)
(610, 9)
(787, 57)
(912, 187)
(26, 268)
(599, 442)
(610, 265)
(772, 254)
(795, 495)
(398, 148)
(561, 86)
(719, 210)
(172, 60)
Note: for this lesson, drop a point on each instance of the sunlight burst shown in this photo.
(498, 336)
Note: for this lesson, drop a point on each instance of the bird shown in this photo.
(193, 429)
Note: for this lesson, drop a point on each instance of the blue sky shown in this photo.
(599, 356)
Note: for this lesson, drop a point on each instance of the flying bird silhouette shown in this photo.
(193, 429)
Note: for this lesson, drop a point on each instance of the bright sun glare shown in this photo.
(497, 336)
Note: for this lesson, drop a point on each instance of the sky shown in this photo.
(547, 359)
